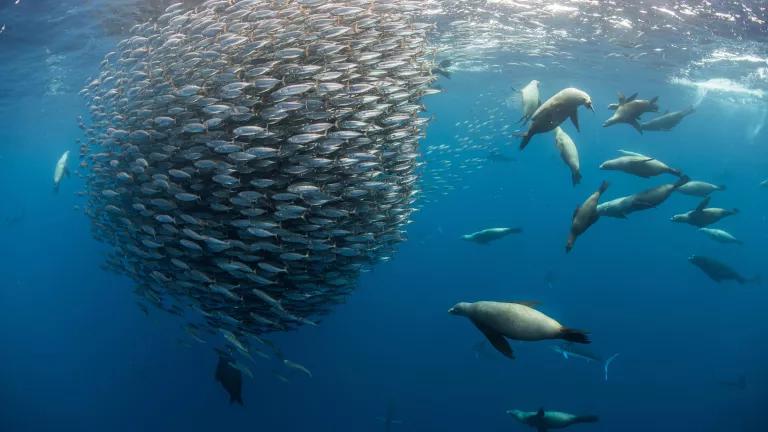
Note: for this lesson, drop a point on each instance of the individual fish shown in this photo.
(718, 271)
(666, 121)
(570, 350)
(298, 367)
(490, 234)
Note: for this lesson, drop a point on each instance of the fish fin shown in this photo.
(608, 363)
(703, 204)
(496, 339)
(575, 119)
(635, 124)
(573, 335)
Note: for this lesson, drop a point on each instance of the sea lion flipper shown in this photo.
(621, 97)
(575, 120)
(703, 204)
(635, 124)
(496, 339)
(632, 97)
(533, 304)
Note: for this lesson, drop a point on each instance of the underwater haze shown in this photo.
(99, 330)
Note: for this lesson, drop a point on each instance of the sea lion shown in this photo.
(718, 271)
(518, 321)
(666, 121)
(584, 216)
(699, 188)
(531, 100)
(490, 234)
(652, 197)
(703, 216)
(639, 165)
(629, 110)
(544, 420)
(60, 170)
(569, 153)
(617, 208)
(721, 236)
(229, 377)
(554, 111)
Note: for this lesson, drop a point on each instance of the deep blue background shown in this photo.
(77, 354)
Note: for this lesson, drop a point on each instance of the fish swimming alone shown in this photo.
(703, 216)
(490, 234)
(569, 153)
(229, 377)
(720, 236)
(629, 110)
(585, 216)
(564, 104)
(569, 350)
(718, 271)
(543, 421)
(61, 170)
(518, 321)
(639, 165)
(666, 121)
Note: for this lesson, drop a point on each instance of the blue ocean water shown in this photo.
(77, 354)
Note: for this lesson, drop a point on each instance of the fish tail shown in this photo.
(607, 364)
(573, 335)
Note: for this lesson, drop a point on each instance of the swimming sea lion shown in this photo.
(530, 100)
(554, 111)
(703, 216)
(490, 234)
(618, 208)
(629, 110)
(699, 188)
(60, 170)
(718, 271)
(229, 377)
(498, 321)
(569, 153)
(666, 121)
(544, 420)
(639, 165)
(651, 198)
(721, 236)
(584, 216)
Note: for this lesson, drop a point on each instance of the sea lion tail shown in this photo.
(573, 335)
(683, 180)
(576, 178)
(586, 419)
